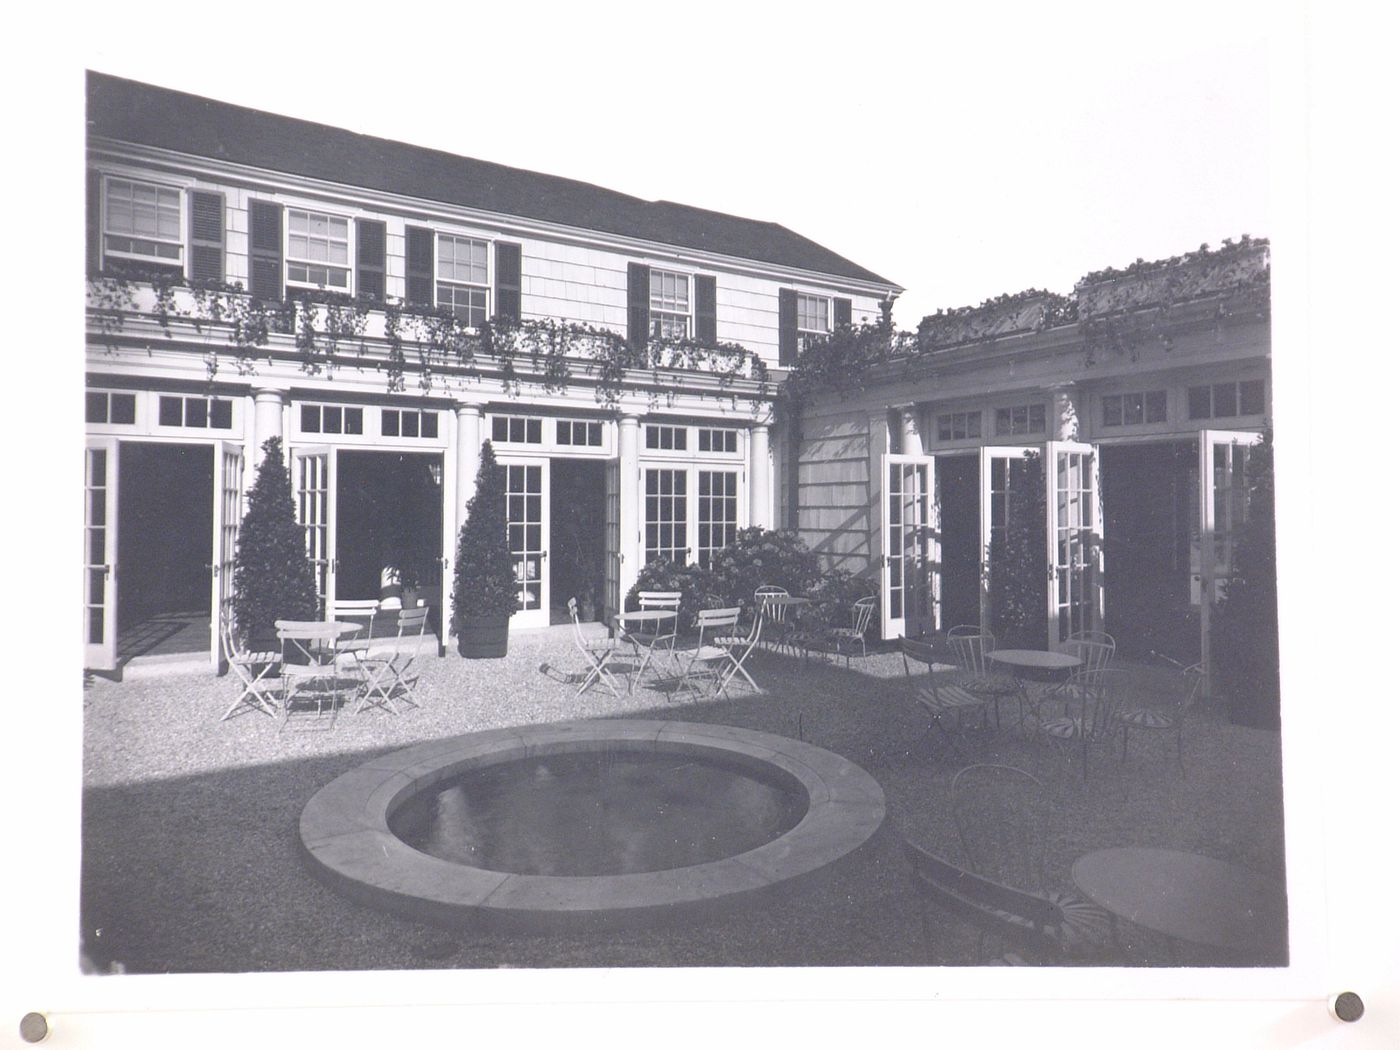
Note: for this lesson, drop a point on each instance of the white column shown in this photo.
(267, 419)
(629, 508)
(911, 441)
(468, 456)
(760, 479)
(1064, 414)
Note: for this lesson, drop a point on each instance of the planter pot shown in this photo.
(484, 637)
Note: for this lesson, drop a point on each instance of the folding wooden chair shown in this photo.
(596, 651)
(386, 668)
(260, 672)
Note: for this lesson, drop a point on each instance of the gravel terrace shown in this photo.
(191, 860)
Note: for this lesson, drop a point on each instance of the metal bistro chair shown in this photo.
(309, 658)
(775, 613)
(1095, 650)
(387, 667)
(259, 671)
(745, 644)
(359, 611)
(1168, 718)
(970, 646)
(940, 696)
(1091, 717)
(655, 633)
(596, 651)
(713, 659)
(843, 640)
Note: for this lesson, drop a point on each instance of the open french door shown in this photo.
(1000, 476)
(612, 540)
(1074, 540)
(313, 481)
(908, 548)
(228, 516)
(527, 522)
(100, 554)
(1224, 505)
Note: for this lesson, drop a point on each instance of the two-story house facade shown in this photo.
(383, 309)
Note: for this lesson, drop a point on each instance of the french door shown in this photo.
(612, 540)
(908, 580)
(1001, 476)
(527, 522)
(228, 515)
(313, 480)
(100, 554)
(1224, 506)
(1074, 540)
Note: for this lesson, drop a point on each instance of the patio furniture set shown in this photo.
(327, 664)
(721, 647)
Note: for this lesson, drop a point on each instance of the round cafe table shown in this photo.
(638, 617)
(1021, 661)
(1188, 897)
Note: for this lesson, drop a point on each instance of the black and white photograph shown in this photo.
(822, 502)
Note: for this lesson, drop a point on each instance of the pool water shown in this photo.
(598, 813)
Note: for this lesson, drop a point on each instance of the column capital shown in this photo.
(467, 408)
(629, 418)
(271, 393)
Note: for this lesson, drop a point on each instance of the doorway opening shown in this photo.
(165, 530)
(389, 516)
(960, 541)
(577, 494)
(1150, 517)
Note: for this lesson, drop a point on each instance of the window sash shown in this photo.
(813, 314)
(318, 249)
(142, 220)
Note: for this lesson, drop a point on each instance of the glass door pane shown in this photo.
(1224, 499)
(228, 516)
(527, 523)
(906, 566)
(314, 480)
(100, 555)
(1074, 543)
(612, 536)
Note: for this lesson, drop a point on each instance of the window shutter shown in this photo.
(94, 221)
(418, 266)
(638, 303)
(265, 250)
(787, 327)
(369, 259)
(840, 313)
(206, 236)
(508, 281)
(705, 325)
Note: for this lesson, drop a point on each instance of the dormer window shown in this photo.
(670, 305)
(142, 221)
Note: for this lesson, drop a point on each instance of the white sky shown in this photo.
(961, 150)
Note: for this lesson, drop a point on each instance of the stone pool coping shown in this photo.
(345, 836)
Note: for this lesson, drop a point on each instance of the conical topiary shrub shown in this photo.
(484, 588)
(272, 576)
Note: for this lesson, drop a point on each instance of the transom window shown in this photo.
(670, 304)
(407, 422)
(462, 282)
(318, 249)
(666, 516)
(141, 220)
(104, 407)
(1020, 419)
(717, 439)
(718, 519)
(578, 432)
(813, 318)
(332, 419)
(517, 430)
(665, 438)
(215, 413)
(1225, 400)
(1127, 410)
(959, 426)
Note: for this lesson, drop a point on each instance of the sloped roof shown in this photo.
(130, 111)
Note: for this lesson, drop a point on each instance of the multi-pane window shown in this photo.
(203, 413)
(718, 439)
(1020, 419)
(718, 513)
(578, 432)
(670, 304)
(332, 419)
(516, 430)
(104, 407)
(959, 426)
(142, 221)
(318, 249)
(1128, 410)
(1225, 400)
(813, 318)
(407, 422)
(525, 530)
(666, 515)
(462, 282)
(665, 438)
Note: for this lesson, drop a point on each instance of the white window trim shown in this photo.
(230, 432)
(1013, 433)
(288, 260)
(488, 287)
(653, 310)
(181, 239)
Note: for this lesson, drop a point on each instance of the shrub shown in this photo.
(483, 580)
(1016, 560)
(698, 587)
(834, 595)
(1244, 630)
(273, 578)
(758, 557)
